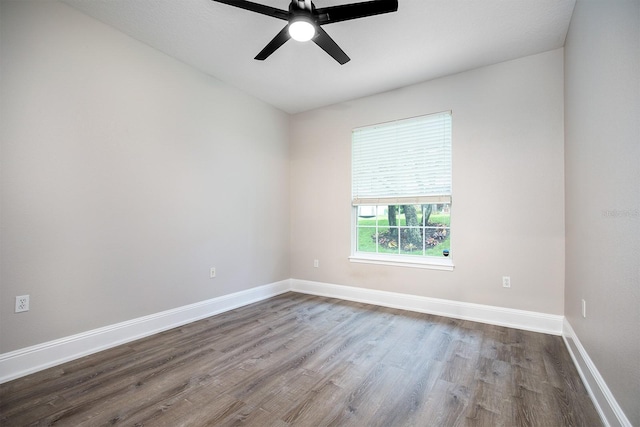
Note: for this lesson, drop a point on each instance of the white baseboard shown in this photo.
(32, 359)
(38, 357)
(606, 405)
(519, 319)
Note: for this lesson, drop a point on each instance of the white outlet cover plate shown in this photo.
(22, 303)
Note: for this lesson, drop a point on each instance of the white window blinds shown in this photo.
(403, 162)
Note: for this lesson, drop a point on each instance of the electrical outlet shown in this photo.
(584, 309)
(506, 281)
(212, 272)
(22, 303)
(316, 263)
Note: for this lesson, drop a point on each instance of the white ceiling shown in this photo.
(425, 39)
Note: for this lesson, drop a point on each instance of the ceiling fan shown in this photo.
(304, 21)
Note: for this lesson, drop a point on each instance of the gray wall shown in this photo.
(602, 149)
(126, 175)
(508, 199)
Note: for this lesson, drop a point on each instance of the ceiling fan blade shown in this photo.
(259, 8)
(280, 39)
(329, 15)
(327, 44)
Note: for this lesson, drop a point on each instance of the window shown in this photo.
(401, 192)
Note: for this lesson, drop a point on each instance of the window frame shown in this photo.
(397, 260)
(400, 260)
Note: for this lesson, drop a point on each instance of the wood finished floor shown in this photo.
(301, 360)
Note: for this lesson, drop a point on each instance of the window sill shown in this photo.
(432, 263)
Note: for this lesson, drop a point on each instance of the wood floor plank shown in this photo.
(251, 416)
(447, 404)
(489, 405)
(408, 404)
(304, 360)
(317, 406)
(287, 393)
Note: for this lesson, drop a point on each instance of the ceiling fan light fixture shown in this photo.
(302, 30)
